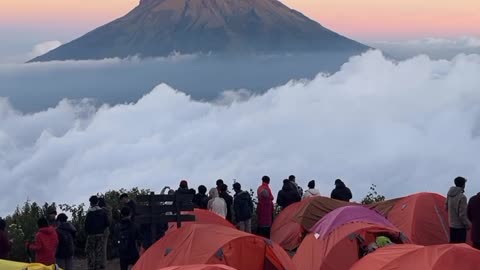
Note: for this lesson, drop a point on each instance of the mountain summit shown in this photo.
(160, 27)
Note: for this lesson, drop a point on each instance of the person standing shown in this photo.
(288, 194)
(243, 208)
(216, 204)
(311, 191)
(293, 180)
(200, 200)
(5, 244)
(265, 208)
(66, 235)
(128, 238)
(46, 243)
(341, 192)
(108, 211)
(96, 223)
(52, 216)
(457, 211)
(473, 213)
(130, 204)
(228, 200)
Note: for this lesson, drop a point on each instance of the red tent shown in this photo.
(413, 257)
(340, 249)
(203, 217)
(422, 217)
(291, 224)
(200, 267)
(214, 244)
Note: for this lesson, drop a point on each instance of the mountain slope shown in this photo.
(159, 27)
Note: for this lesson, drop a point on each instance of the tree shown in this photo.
(373, 196)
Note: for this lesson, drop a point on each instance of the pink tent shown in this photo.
(348, 214)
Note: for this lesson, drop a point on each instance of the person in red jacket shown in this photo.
(46, 242)
(264, 208)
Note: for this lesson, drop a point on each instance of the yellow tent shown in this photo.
(10, 265)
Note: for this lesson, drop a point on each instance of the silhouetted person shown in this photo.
(288, 194)
(183, 188)
(200, 200)
(473, 213)
(52, 216)
(311, 191)
(341, 192)
(108, 211)
(66, 235)
(127, 237)
(130, 204)
(5, 244)
(219, 184)
(265, 208)
(96, 223)
(228, 200)
(46, 243)
(457, 211)
(243, 208)
(293, 180)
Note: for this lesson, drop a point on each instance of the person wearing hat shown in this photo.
(341, 192)
(457, 211)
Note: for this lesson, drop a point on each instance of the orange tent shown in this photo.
(214, 244)
(200, 267)
(203, 217)
(422, 217)
(290, 226)
(340, 249)
(413, 257)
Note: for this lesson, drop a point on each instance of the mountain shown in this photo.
(160, 27)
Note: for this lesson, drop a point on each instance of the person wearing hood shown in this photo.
(311, 191)
(96, 223)
(216, 204)
(341, 192)
(288, 194)
(66, 235)
(200, 200)
(46, 243)
(243, 208)
(473, 213)
(264, 208)
(5, 244)
(128, 237)
(457, 211)
(228, 200)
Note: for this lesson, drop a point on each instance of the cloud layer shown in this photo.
(44, 48)
(437, 48)
(409, 126)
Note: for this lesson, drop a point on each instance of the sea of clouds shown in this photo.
(405, 126)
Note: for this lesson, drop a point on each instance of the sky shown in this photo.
(359, 19)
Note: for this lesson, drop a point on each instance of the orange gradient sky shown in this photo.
(360, 19)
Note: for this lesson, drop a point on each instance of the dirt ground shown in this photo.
(82, 265)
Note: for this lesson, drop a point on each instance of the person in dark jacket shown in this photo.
(473, 213)
(228, 200)
(128, 238)
(200, 200)
(130, 204)
(5, 244)
(341, 192)
(46, 242)
(52, 216)
(183, 188)
(288, 194)
(108, 210)
(293, 180)
(66, 236)
(96, 223)
(243, 208)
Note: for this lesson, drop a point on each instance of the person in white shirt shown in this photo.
(312, 191)
(216, 204)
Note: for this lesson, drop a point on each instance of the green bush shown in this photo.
(373, 196)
